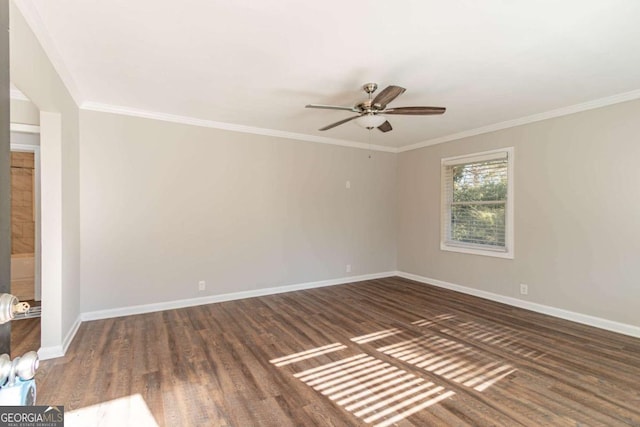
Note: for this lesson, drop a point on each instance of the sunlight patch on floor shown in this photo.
(494, 335)
(126, 411)
(309, 354)
(451, 360)
(381, 393)
(372, 389)
(434, 320)
(376, 335)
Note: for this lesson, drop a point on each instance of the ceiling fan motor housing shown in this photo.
(365, 106)
(370, 87)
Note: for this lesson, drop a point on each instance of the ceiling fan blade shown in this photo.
(385, 127)
(329, 107)
(332, 125)
(387, 95)
(416, 111)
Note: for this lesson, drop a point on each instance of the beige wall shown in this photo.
(165, 205)
(577, 210)
(149, 208)
(34, 75)
(24, 112)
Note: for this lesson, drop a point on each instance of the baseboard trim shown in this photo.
(210, 299)
(585, 319)
(71, 334)
(52, 352)
(55, 351)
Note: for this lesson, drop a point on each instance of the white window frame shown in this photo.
(445, 212)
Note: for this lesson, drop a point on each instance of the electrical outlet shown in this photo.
(348, 268)
(202, 285)
(524, 289)
(347, 184)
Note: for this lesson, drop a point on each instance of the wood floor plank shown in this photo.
(381, 352)
(25, 336)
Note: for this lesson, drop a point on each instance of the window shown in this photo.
(477, 203)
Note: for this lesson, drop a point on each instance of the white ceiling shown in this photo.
(258, 62)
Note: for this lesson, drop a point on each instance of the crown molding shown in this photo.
(134, 112)
(564, 111)
(33, 19)
(17, 95)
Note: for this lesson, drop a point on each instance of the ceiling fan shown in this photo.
(371, 112)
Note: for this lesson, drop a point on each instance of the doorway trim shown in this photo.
(52, 343)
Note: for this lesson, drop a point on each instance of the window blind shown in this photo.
(475, 201)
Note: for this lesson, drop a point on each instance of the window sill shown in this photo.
(476, 251)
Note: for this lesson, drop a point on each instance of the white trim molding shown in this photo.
(55, 351)
(192, 121)
(559, 112)
(52, 352)
(22, 128)
(60, 350)
(24, 148)
(192, 302)
(585, 319)
(17, 95)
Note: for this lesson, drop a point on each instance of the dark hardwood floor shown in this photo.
(25, 336)
(381, 352)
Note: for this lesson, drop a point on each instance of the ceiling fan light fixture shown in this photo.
(370, 121)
